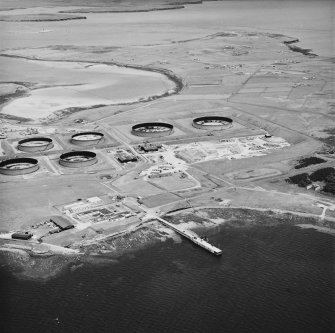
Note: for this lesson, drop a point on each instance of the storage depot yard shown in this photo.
(201, 115)
(176, 158)
(228, 148)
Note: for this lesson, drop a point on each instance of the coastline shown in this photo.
(325, 230)
(110, 248)
(170, 75)
(115, 263)
(295, 48)
(177, 81)
(103, 10)
(40, 18)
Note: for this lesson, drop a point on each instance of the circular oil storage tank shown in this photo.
(211, 123)
(35, 144)
(85, 139)
(78, 159)
(152, 129)
(18, 166)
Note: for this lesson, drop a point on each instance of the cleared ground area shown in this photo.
(27, 202)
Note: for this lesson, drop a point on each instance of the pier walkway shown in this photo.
(192, 236)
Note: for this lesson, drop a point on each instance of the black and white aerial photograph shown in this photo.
(167, 166)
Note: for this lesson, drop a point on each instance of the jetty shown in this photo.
(192, 236)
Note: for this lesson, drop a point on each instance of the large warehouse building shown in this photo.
(61, 222)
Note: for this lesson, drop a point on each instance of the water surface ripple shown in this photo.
(269, 279)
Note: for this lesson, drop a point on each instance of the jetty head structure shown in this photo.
(192, 236)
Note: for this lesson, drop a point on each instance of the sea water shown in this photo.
(269, 279)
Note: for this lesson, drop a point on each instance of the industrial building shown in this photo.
(149, 147)
(61, 222)
(82, 205)
(23, 235)
(125, 157)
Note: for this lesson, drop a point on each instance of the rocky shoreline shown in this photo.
(25, 264)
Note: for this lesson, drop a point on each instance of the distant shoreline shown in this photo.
(291, 45)
(40, 18)
(105, 11)
(178, 82)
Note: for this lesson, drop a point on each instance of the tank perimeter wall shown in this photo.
(91, 159)
(78, 164)
(90, 142)
(152, 134)
(31, 148)
(210, 127)
(16, 172)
